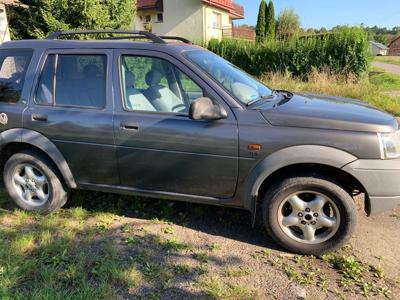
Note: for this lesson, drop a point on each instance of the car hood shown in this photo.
(326, 112)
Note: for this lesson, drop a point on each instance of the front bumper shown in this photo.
(381, 180)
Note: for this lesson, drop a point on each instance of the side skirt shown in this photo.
(160, 195)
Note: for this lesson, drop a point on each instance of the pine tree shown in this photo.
(42, 17)
(260, 28)
(270, 26)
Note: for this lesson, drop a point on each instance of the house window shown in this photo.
(147, 19)
(216, 20)
(160, 18)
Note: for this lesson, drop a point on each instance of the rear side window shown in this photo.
(73, 81)
(14, 64)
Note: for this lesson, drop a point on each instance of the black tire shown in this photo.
(309, 182)
(56, 189)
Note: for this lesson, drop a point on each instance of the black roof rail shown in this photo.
(176, 38)
(131, 34)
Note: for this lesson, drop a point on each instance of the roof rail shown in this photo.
(139, 34)
(176, 38)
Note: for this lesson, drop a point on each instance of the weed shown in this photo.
(174, 245)
(378, 271)
(182, 269)
(217, 289)
(350, 267)
(234, 272)
(214, 247)
(168, 230)
(201, 257)
(131, 241)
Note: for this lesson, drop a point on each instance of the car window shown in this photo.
(73, 80)
(237, 82)
(156, 85)
(13, 66)
(45, 90)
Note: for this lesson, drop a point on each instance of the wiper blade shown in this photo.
(259, 99)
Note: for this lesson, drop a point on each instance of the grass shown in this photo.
(394, 60)
(386, 81)
(372, 89)
(90, 251)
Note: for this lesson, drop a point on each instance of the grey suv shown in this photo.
(174, 121)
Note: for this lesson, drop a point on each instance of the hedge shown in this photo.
(343, 52)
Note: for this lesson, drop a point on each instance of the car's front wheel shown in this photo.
(309, 214)
(33, 182)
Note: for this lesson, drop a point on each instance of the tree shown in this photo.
(270, 27)
(288, 24)
(44, 16)
(260, 28)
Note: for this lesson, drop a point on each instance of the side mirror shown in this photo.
(205, 109)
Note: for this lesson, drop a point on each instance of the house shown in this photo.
(378, 49)
(198, 20)
(4, 30)
(394, 46)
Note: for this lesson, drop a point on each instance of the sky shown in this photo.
(329, 13)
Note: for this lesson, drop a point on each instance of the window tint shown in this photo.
(14, 64)
(80, 81)
(153, 84)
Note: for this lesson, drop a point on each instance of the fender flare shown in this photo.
(20, 135)
(291, 156)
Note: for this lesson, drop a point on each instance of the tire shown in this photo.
(332, 225)
(26, 173)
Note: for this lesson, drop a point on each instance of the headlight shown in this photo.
(390, 145)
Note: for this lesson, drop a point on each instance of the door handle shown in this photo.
(39, 117)
(130, 126)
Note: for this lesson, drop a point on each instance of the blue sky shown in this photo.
(328, 13)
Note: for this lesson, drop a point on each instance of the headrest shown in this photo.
(91, 71)
(153, 78)
(130, 79)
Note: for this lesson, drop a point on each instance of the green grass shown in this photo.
(394, 60)
(386, 81)
(89, 251)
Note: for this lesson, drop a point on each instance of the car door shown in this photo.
(159, 148)
(14, 88)
(72, 106)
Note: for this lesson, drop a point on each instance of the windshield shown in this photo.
(241, 85)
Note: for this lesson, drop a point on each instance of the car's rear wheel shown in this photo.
(33, 182)
(309, 214)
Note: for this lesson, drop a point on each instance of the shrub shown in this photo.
(343, 52)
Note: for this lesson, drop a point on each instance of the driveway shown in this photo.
(387, 67)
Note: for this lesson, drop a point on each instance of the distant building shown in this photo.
(378, 49)
(198, 20)
(394, 46)
(4, 30)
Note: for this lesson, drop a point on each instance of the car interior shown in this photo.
(159, 88)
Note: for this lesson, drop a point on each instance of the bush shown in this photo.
(343, 52)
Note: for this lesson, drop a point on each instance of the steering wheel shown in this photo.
(175, 108)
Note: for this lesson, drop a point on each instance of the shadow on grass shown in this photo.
(230, 223)
(67, 255)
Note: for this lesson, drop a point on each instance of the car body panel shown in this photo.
(172, 153)
(80, 134)
(334, 113)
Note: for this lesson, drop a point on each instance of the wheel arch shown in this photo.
(322, 159)
(14, 140)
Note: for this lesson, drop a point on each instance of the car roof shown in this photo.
(170, 47)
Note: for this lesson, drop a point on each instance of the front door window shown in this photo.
(155, 85)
